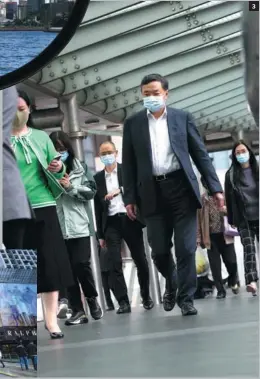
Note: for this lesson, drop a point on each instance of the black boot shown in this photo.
(124, 307)
(94, 308)
(221, 294)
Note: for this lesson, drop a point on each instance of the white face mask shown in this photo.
(20, 120)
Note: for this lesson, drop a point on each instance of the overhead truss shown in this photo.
(197, 45)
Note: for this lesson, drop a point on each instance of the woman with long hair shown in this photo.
(40, 167)
(75, 216)
(242, 200)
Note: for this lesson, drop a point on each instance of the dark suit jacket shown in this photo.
(138, 182)
(101, 206)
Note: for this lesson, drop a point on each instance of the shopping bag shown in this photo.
(202, 263)
(228, 230)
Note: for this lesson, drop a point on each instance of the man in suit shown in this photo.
(113, 226)
(159, 179)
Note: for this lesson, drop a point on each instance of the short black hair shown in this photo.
(108, 142)
(155, 78)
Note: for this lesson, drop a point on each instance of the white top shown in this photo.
(116, 205)
(163, 158)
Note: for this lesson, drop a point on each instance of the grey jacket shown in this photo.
(15, 202)
(74, 207)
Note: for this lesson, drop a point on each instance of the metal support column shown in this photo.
(1, 169)
(240, 134)
(72, 126)
(154, 277)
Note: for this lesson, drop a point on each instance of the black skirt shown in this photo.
(53, 265)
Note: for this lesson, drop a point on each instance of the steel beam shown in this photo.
(193, 75)
(133, 18)
(233, 120)
(125, 72)
(194, 100)
(223, 113)
(231, 123)
(115, 47)
(47, 118)
(206, 112)
(99, 9)
(219, 145)
(174, 65)
(214, 100)
(251, 51)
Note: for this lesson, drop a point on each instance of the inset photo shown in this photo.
(18, 313)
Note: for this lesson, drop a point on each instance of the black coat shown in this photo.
(32, 350)
(101, 206)
(138, 181)
(21, 351)
(234, 200)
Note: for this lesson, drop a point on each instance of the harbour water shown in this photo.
(19, 47)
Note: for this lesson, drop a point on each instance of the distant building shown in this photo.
(34, 6)
(11, 10)
(22, 12)
(56, 14)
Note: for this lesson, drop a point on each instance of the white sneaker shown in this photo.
(63, 309)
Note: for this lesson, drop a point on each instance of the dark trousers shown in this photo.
(176, 211)
(24, 362)
(14, 233)
(219, 249)
(1, 361)
(120, 227)
(248, 232)
(34, 361)
(63, 294)
(79, 251)
(107, 287)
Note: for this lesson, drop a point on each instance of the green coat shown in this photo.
(74, 207)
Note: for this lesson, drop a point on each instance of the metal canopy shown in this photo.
(197, 45)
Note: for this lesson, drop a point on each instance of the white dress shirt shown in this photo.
(116, 205)
(163, 158)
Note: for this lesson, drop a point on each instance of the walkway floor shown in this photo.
(222, 341)
(13, 370)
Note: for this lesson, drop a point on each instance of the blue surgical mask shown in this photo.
(154, 103)
(243, 158)
(64, 156)
(108, 160)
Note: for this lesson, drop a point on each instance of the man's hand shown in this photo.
(110, 195)
(65, 181)
(102, 243)
(55, 166)
(131, 211)
(224, 210)
(219, 200)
